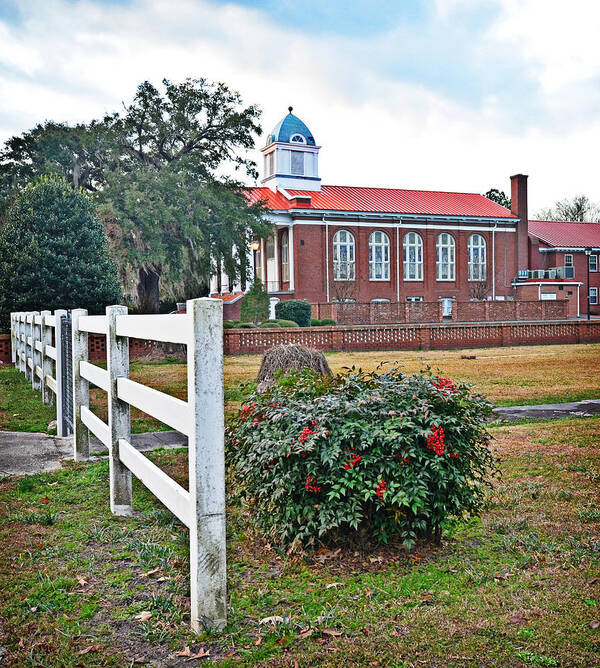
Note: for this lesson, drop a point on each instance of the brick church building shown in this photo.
(362, 244)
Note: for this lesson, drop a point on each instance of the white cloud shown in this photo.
(76, 61)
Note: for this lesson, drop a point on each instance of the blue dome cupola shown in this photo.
(291, 156)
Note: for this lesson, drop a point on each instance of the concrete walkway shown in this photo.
(550, 411)
(24, 453)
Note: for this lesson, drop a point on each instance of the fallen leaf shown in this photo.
(305, 633)
(149, 573)
(258, 641)
(517, 619)
(595, 624)
(276, 619)
(331, 632)
(200, 654)
(334, 584)
(90, 648)
(144, 616)
(183, 652)
(82, 581)
(44, 499)
(284, 640)
(592, 581)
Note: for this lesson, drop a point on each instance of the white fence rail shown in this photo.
(32, 336)
(201, 507)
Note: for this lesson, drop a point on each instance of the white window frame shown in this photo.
(477, 269)
(593, 296)
(285, 256)
(300, 155)
(415, 299)
(595, 268)
(379, 240)
(413, 269)
(344, 256)
(568, 260)
(445, 257)
(297, 138)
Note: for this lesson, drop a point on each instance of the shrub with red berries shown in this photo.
(377, 455)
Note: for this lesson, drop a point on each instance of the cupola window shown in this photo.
(297, 163)
(297, 139)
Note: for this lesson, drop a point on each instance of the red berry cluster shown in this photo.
(435, 440)
(405, 458)
(381, 485)
(452, 455)
(247, 410)
(307, 431)
(277, 403)
(353, 462)
(311, 485)
(445, 384)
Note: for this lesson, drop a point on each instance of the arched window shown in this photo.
(444, 257)
(343, 256)
(285, 256)
(413, 257)
(476, 255)
(379, 256)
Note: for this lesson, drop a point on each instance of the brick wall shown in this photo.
(413, 337)
(423, 312)
(4, 347)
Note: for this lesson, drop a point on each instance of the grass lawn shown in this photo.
(507, 376)
(520, 587)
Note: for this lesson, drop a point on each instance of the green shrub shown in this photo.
(53, 253)
(228, 324)
(269, 324)
(294, 309)
(288, 323)
(328, 322)
(315, 322)
(255, 303)
(363, 454)
(247, 325)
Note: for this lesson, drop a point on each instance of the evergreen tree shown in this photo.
(255, 304)
(53, 253)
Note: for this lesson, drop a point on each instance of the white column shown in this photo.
(36, 356)
(61, 427)
(291, 255)
(117, 364)
(81, 388)
(276, 257)
(208, 576)
(46, 362)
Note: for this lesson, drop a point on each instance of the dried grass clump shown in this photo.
(288, 356)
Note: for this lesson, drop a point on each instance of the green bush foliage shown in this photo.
(315, 322)
(328, 322)
(228, 324)
(269, 324)
(255, 304)
(288, 323)
(361, 456)
(294, 309)
(53, 253)
(247, 325)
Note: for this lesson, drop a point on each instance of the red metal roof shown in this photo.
(564, 234)
(384, 200)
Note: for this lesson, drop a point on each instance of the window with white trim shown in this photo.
(285, 256)
(593, 262)
(413, 257)
(476, 252)
(414, 299)
(297, 139)
(297, 163)
(343, 256)
(593, 296)
(379, 256)
(568, 260)
(444, 257)
(271, 164)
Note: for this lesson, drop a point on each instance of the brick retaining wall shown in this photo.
(373, 337)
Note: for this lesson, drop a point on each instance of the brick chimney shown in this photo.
(518, 205)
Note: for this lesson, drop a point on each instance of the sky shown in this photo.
(452, 95)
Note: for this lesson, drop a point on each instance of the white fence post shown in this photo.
(206, 457)
(117, 364)
(13, 341)
(28, 335)
(46, 362)
(19, 343)
(61, 427)
(81, 388)
(36, 335)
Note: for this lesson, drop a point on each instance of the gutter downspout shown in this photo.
(494, 262)
(326, 257)
(398, 261)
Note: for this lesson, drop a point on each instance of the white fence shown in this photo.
(37, 351)
(201, 507)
